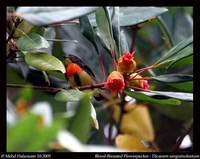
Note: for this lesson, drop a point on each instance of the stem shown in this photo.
(53, 89)
(180, 139)
(137, 88)
(102, 68)
(143, 78)
(110, 142)
(121, 113)
(114, 62)
(144, 69)
(16, 23)
(63, 23)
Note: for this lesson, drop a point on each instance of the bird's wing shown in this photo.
(79, 62)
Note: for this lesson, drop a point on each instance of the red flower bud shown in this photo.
(115, 82)
(137, 81)
(126, 64)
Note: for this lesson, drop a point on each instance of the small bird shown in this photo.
(79, 74)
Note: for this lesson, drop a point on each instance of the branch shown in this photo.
(180, 139)
(137, 88)
(42, 88)
(16, 23)
(123, 102)
(53, 89)
(110, 127)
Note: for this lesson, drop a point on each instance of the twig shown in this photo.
(53, 89)
(17, 22)
(110, 128)
(63, 23)
(121, 113)
(102, 68)
(180, 139)
(42, 88)
(137, 88)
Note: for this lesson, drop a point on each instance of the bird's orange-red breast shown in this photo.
(79, 74)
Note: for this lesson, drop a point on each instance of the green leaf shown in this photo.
(158, 99)
(130, 16)
(181, 56)
(26, 93)
(166, 30)
(48, 15)
(31, 41)
(28, 136)
(88, 31)
(183, 82)
(38, 30)
(104, 26)
(182, 62)
(44, 62)
(184, 112)
(116, 28)
(39, 142)
(183, 86)
(123, 42)
(93, 114)
(23, 27)
(18, 136)
(75, 96)
(177, 95)
(176, 53)
(79, 124)
(62, 40)
(69, 95)
(173, 78)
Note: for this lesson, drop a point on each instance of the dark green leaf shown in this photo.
(44, 62)
(48, 15)
(183, 86)
(177, 95)
(24, 69)
(154, 98)
(38, 30)
(69, 95)
(88, 31)
(79, 124)
(166, 30)
(57, 48)
(31, 41)
(116, 28)
(173, 78)
(130, 16)
(175, 53)
(182, 62)
(62, 40)
(123, 42)
(184, 112)
(104, 26)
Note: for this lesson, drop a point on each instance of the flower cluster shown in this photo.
(125, 74)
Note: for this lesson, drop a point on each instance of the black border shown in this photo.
(196, 130)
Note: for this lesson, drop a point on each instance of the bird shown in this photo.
(79, 74)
